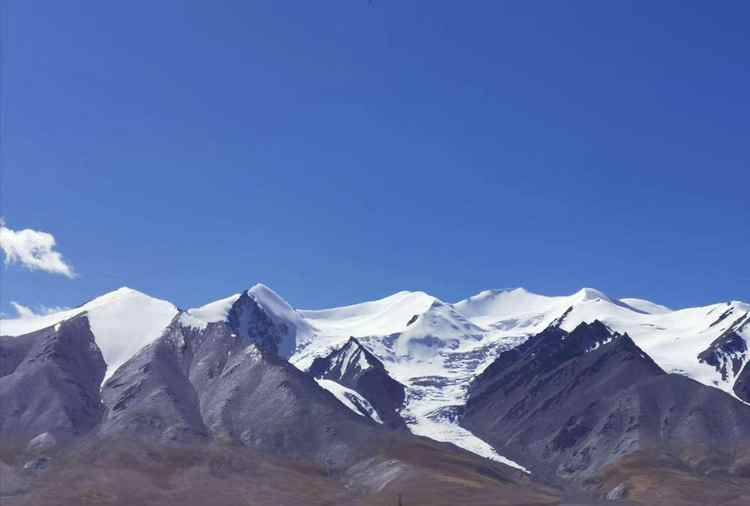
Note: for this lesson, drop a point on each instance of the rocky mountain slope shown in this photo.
(576, 402)
(565, 388)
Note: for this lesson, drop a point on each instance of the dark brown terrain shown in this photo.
(132, 473)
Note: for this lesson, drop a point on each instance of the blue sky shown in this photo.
(342, 150)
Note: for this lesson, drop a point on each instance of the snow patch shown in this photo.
(212, 312)
(351, 399)
(457, 435)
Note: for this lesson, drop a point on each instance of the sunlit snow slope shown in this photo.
(426, 345)
(123, 322)
(674, 339)
(435, 349)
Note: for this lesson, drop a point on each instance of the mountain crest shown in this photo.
(349, 361)
(590, 336)
(355, 367)
(250, 321)
(591, 294)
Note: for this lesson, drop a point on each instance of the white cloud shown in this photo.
(27, 312)
(34, 250)
(23, 311)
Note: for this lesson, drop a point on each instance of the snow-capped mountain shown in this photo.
(355, 368)
(436, 349)
(122, 321)
(677, 340)
(414, 357)
(293, 326)
(570, 404)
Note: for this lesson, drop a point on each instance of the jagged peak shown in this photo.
(351, 357)
(218, 310)
(592, 326)
(351, 345)
(584, 338)
(595, 325)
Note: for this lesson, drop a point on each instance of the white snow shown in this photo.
(122, 321)
(672, 338)
(432, 347)
(351, 399)
(379, 317)
(212, 312)
(439, 353)
(457, 435)
(417, 337)
(646, 306)
(437, 325)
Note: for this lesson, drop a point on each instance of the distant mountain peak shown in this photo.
(591, 294)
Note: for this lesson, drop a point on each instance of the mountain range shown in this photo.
(506, 397)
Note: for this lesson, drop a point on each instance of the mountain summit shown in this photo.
(566, 388)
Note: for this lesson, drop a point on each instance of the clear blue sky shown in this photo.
(342, 150)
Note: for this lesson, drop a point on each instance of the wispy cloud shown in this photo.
(23, 311)
(34, 250)
(26, 312)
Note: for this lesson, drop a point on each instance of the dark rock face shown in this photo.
(151, 396)
(261, 401)
(355, 367)
(568, 404)
(742, 384)
(49, 383)
(222, 381)
(197, 383)
(726, 354)
(248, 320)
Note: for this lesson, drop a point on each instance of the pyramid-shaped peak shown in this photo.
(591, 294)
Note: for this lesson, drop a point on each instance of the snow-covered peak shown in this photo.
(645, 306)
(590, 294)
(440, 326)
(284, 316)
(492, 306)
(433, 348)
(519, 312)
(269, 300)
(123, 321)
(287, 321)
(385, 316)
(277, 307)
